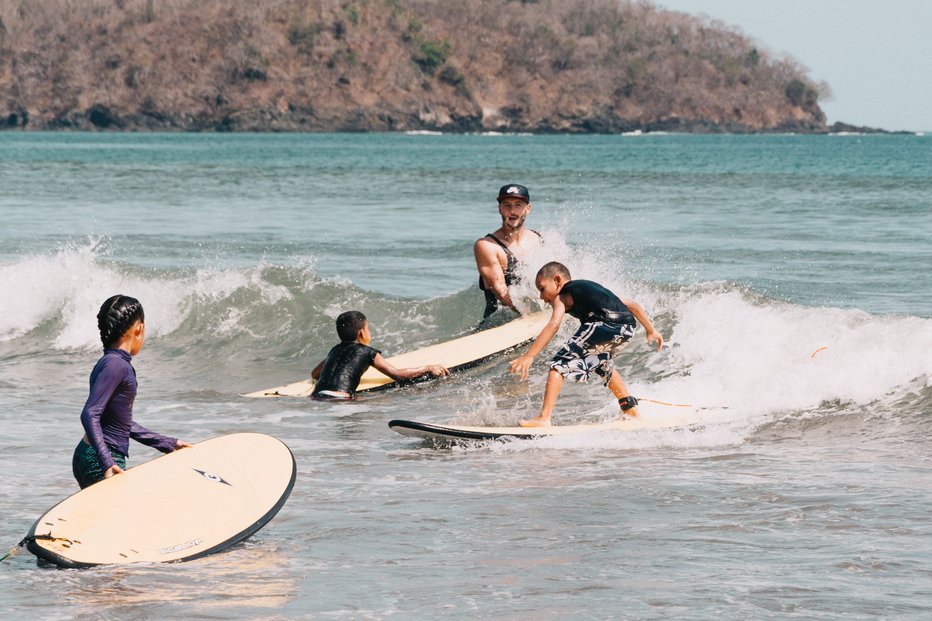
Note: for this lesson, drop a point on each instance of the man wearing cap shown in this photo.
(498, 253)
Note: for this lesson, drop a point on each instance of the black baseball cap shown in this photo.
(513, 190)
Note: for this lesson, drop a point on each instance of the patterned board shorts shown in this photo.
(86, 467)
(591, 350)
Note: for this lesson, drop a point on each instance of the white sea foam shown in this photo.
(734, 351)
(69, 286)
(726, 348)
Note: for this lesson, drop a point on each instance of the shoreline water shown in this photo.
(806, 494)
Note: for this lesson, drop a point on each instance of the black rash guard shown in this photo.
(593, 302)
(343, 367)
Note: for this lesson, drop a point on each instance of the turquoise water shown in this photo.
(805, 219)
(805, 492)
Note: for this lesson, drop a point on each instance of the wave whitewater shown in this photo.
(727, 347)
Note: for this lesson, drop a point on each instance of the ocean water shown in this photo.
(790, 275)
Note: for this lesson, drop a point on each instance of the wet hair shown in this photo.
(116, 316)
(349, 324)
(554, 268)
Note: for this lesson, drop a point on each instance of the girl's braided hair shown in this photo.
(116, 316)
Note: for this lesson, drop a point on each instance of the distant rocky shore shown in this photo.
(102, 118)
(395, 65)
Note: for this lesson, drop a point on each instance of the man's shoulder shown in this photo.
(532, 237)
(495, 240)
(488, 243)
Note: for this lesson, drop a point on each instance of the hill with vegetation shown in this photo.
(390, 65)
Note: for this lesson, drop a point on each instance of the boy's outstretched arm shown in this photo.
(519, 366)
(436, 370)
(641, 315)
(315, 374)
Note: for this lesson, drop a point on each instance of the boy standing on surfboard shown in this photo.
(498, 253)
(608, 322)
(339, 373)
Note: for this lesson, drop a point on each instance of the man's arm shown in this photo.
(490, 269)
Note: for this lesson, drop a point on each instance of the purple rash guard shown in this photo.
(107, 416)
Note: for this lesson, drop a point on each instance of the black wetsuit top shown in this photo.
(343, 367)
(511, 276)
(593, 302)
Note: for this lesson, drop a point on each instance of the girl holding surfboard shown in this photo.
(107, 416)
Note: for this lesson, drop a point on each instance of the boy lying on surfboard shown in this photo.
(339, 373)
(608, 322)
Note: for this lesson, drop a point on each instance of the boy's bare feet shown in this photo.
(535, 422)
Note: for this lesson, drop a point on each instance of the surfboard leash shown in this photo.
(15, 549)
(672, 405)
(12, 551)
(680, 405)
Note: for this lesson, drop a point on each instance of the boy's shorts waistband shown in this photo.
(612, 317)
(328, 395)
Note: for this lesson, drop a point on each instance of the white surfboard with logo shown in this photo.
(180, 506)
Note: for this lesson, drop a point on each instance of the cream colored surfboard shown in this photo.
(180, 506)
(456, 354)
(459, 433)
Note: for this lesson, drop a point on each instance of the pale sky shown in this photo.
(876, 55)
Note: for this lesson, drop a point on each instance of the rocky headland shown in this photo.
(570, 66)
